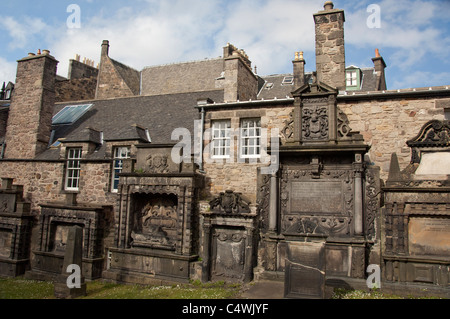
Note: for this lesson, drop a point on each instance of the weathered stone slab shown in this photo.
(305, 270)
(429, 236)
(317, 196)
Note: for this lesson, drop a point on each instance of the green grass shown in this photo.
(18, 288)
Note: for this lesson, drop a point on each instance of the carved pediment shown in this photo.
(314, 88)
(433, 134)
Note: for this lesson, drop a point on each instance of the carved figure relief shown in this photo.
(315, 122)
(157, 164)
(155, 223)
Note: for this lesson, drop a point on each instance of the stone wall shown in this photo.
(110, 83)
(230, 174)
(387, 124)
(81, 89)
(31, 110)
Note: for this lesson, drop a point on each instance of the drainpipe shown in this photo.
(200, 103)
(202, 129)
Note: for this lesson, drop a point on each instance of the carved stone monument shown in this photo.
(55, 221)
(156, 232)
(417, 214)
(15, 230)
(318, 211)
(229, 243)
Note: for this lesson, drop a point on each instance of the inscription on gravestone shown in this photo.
(429, 236)
(317, 196)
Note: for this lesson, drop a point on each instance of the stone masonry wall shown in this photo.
(44, 182)
(234, 175)
(31, 110)
(76, 90)
(330, 50)
(387, 124)
(110, 83)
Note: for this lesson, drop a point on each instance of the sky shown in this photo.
(412, 35)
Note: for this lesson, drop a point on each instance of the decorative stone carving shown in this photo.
(155, 223)
(288, 129)
(157, 164)
(315, 122)
(230, 203)
(343, 127)
(433, 133)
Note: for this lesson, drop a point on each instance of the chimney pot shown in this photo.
(377, 53)
(328, 5)
(39, 51)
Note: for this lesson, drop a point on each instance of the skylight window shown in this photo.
(288, 80)
(70, 113)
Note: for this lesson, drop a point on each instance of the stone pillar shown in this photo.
(73, 256)
(358, 195)
(273, 204)
(330, 50)
(206, 265)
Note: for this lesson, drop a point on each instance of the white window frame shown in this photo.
(250, 138)
(120, 153)
(352, 78)
(221, 139)
(73, 168)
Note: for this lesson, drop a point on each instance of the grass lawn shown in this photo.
(19, 288)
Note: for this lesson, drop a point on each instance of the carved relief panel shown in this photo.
(314, 122)
(155, 220)
(316, 202)
(228, 255)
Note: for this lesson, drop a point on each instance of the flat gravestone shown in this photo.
(305, 270)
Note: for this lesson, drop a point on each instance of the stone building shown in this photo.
(206, 170)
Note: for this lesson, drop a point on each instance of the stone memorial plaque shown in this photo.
(305, 270)
(317, 196)
(5, 243)
(429, 236)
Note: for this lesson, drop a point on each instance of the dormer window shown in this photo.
(352, 78)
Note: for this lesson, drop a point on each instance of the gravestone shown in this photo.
(73, 256)
(305, 270)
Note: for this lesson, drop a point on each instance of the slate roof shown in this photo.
(274, 87)
(127, 118)
(369, 79)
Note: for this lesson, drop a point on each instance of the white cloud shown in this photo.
(406, 26)
(7, 71)
(22, 31)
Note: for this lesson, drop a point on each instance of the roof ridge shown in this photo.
(177, 63)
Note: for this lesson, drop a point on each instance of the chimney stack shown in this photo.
(330, 50)
(299, 69)
(379, 65)
(105, 48)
